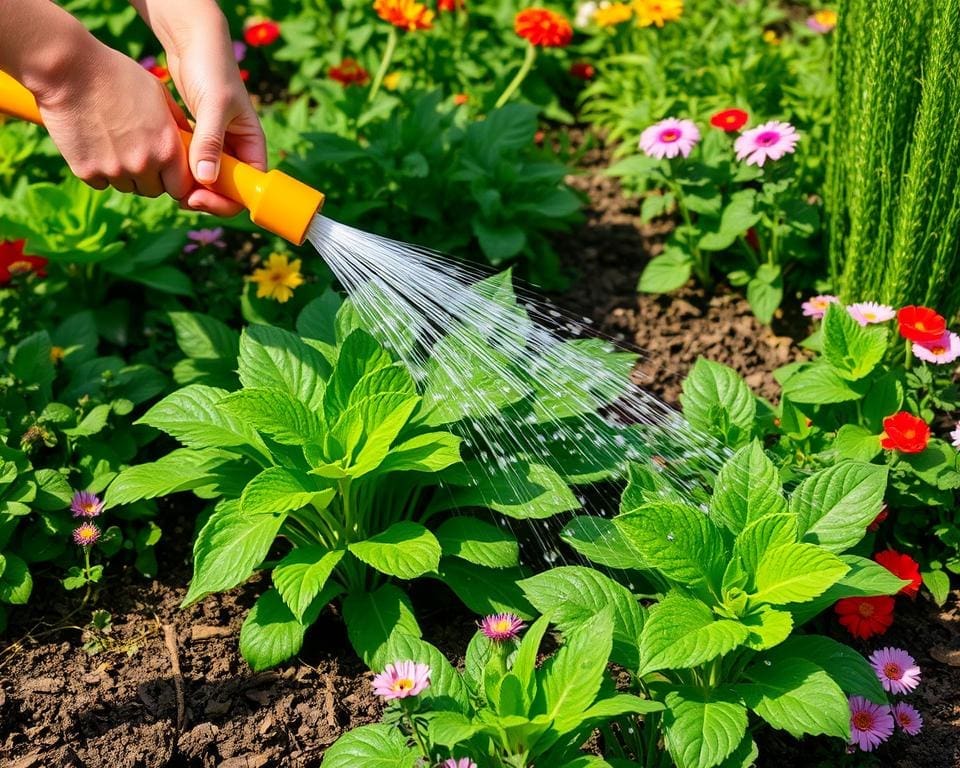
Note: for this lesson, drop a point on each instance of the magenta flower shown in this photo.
(85, 504)
(669, 138)
(239, 50)
(769, 141)
(402, 679)
(941, 352)
(897, 670)
(463, 762)
(502, 627)
(867, 312)
(870, 724)
(817, 306)
(955, 436)
(149, 62)
(86, 535)
(907, 718)
(202, 237)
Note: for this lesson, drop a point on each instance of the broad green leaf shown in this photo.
(393, 378)
(798, 697)
(446, 690)
(703, 728)
(747, 488)
(278, 490)
(681, 632)
(385, 417)
(192, 415)
(795, 573)
(851, 671)
(621, 704)
(276, 413)
(819, 384)
(478, 542)
(665, 273)
(737, 217)
(718, 402)
(360, 354)
(765, 292)
(768, 627)
(53, 490)
(428, 452)
(371, 617)
(30, 362)
(316, 319)
(450, 728)
(183, 469)
(525, 660)
(573, 594)
(271, 358)
(204, 338)
(519, 491)
(744, 756)
(16, 582)
(600, 541)
(678, 540)
(763, 535)
(864, 579)
(405, 550)
(938, 582)
(856, 443)
(486, 590)
(371, 746)
(570, 680)
(835, 506)
(301, 575)
(229, 546)
(852, 350)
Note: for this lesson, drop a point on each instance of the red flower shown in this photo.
(864, 617)
(450, 5)
(260, 33)
(161, 73)
(460, 99)
(903, 567)
(921, 324)
(13, 261)
(349, 72)
(905, 432)
(543, 27)
(729, 120)
(753, 240)
(244, 74)
(583, 70)
(875, 525)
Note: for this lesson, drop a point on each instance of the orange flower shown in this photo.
(657, 11)
(611, 14)
(450, 5)
(349, 72)
(406, 14)
(543, 27)
(260, 32)
(460, 99)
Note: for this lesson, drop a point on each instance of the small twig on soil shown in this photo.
(170, 641)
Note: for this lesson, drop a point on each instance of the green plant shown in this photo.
(502, 711)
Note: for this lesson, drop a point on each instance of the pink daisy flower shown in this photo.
(502, 627)
(867, 312)
(907, 718)
(941, 352)
(870, 724)
(897, 670)
(402, 679)
(85, 504)
(86, 535)
(669, 138)
(769, 141)
(816, 307)
(955, 436)
(463, 762)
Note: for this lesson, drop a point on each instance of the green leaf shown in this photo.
(520, 491)
(851, 671)
(856, 443)
(600, 541)
(795, 573)
(798, 697)
(180, 470)
(703, 728)
(678, 540)
(681, 632)
(204, 338)
(737, 217)
(573, 594)
(938, 582)
(428, 452)
(276, 413)
(498, 242)
(278, 490)
(852, 350)
(768, 627)
(819, 384)
(864, 579)
(192, 416)
(271, 358)
(371, 746)
(405, 550)
(384, 418)
(371, 617)
(763, 535)
(446, 691)
(316, 320)
(717, 401)
(570, 680)
(450, 728)
(485, 590)
(747, 488)
(229, 546)
(835, 506)
(360, 354)
(765, 292)
(16, 583)
(478, 542)
(666, 272)
(301, 575)
(30, 362)
(53, 491)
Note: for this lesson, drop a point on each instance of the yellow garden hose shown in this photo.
(277, 202)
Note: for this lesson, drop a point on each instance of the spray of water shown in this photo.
(490, 356)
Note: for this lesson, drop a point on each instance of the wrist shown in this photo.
(180, 24)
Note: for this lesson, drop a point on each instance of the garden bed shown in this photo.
(127, 705)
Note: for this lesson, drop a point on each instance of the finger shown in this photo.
(248, 143)
(207, 201)
(178, 114)
(175, 173)
(122, 184)
(207, 143)
(97, 182)
(149, 184)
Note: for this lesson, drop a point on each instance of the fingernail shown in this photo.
(206, 172)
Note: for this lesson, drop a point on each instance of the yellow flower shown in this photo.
(827, 18)
(770, 36)
(657, 11)
(392, 81)
(278, 278)
(56, 354)
(611, 14)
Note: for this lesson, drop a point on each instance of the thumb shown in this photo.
(207, 144)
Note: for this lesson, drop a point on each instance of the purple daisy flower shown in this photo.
(907, 718)
(202, 237)
(86, 535)
(239, 50)
(870, 724)
(501, 627)
(463, 762)
(897, 670)
(669, 138)
(86, 504)
(401, 679)
(817, 306)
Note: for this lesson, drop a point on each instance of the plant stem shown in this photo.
(701, 263)
(384, 63)
(86, 575)
(528, 59)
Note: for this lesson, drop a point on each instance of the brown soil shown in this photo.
(61, 706)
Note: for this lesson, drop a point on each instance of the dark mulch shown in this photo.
(63, 707)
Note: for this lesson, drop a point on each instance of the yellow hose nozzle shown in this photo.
(277, 202)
